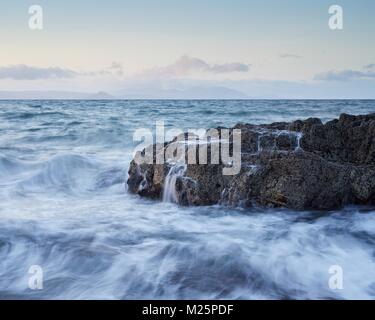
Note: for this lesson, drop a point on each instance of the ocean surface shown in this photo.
(64, 207)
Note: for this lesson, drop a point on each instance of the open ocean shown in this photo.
(64, 207)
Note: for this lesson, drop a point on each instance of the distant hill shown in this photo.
(202, 93)
(190, 93)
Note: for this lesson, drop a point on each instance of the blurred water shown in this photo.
(64, 206)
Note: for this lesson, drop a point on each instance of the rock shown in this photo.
(299, 165)
(348, 139)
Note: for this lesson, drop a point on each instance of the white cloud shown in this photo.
(290, 56)
(344, 75)
(116, 68)
(369, 66)
(24, 72)
(187, 65)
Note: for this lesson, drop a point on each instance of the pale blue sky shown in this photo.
(156, 42)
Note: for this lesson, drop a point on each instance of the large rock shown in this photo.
(299, 165)
(349, 139)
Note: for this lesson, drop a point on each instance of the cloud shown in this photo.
(369, 66)
(290, 56)
(344, 75)
(187, 65)
(116, 68)
(24, 72)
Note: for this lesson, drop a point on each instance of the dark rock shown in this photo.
(349, 139)
(299, 165)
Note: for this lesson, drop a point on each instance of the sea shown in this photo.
(70, 230)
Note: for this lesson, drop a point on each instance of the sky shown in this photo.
(190, 49)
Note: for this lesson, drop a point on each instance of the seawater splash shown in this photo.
(259, 146)
(252, 169)
(299, 137)
(169, 193)
(273, 136)
(64, 207)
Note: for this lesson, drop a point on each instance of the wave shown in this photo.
(165, 253)
(30, 115)
(9, 165)
(70, 174)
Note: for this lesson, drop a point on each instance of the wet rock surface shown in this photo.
(300, 165)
